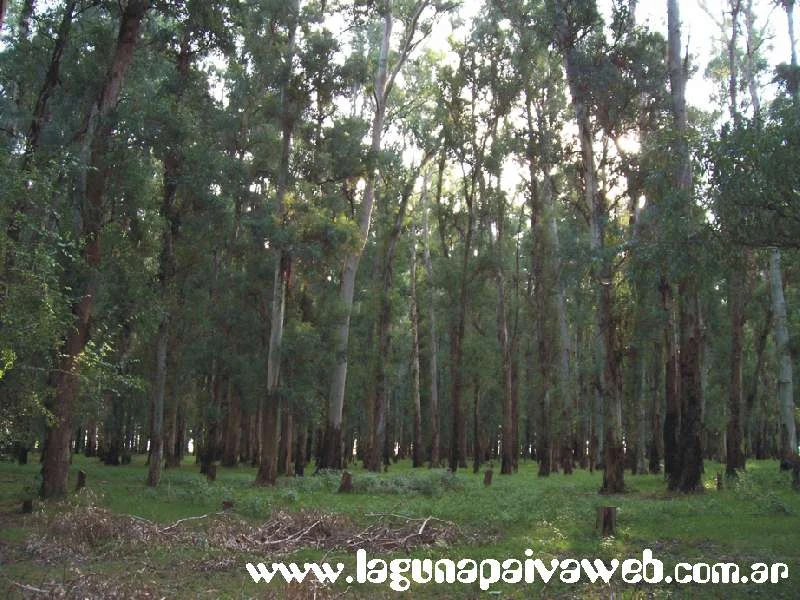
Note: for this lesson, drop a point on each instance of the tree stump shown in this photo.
(346, 485)
(227, 504)
(487, 477)
(606, 520)
(211, 472)
(719, 481)
(81, 481)
(27, 506)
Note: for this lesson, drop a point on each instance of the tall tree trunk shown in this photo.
(508, 446)
(300, 453)
(91, 187)
(687, 476)
(435, 439)
(788, 431)
(332, 451)
(331, 455)
(672, 415)
(552, 330)
(418, 452)
(233, 428)
(656, 448)
(287, 444)
(270, 405)
(788, 426)
(457, 330)
(613, 474)
(735, 459)
(157, 405)
(171, 431)
(377, 426)
(173, 167)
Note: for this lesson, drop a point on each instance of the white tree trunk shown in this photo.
(788, 438)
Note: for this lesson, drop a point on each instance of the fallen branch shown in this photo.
(179, 521)
(294, 537)
(28, 588)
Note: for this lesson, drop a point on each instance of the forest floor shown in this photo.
(119, 539)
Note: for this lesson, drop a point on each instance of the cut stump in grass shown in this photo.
(346, 485)
(606, 520)
(487, 477)
(211, 473)
(27, 506)
(81, 480)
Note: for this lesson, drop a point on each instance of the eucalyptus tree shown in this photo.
(270, 410)
(686, 477)
(417, 25)
(788, 432)
(573, 28)
(199, 29)
(90, 186)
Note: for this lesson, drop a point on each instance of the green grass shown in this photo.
(756, 519)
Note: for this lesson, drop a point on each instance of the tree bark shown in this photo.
(788, 431)
(232, 429)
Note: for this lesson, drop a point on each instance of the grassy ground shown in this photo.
(85, 548)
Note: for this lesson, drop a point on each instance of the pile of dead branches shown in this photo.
(88, 531)
(285, 532)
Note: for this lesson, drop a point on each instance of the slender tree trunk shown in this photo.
(171, 431)
(377, 427)
(287, 444)
(656, 448)
(788, 431)
(173, 166)
(788, 427)
(270, 413)
(435, 439)
(91, 184)
(672, 413)
(157, 405)
(332, 451)
(300, 453)
(418, 453)
(233, 429)
(457, 330)
(687, 476)
(613, 475)
(735, 459)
